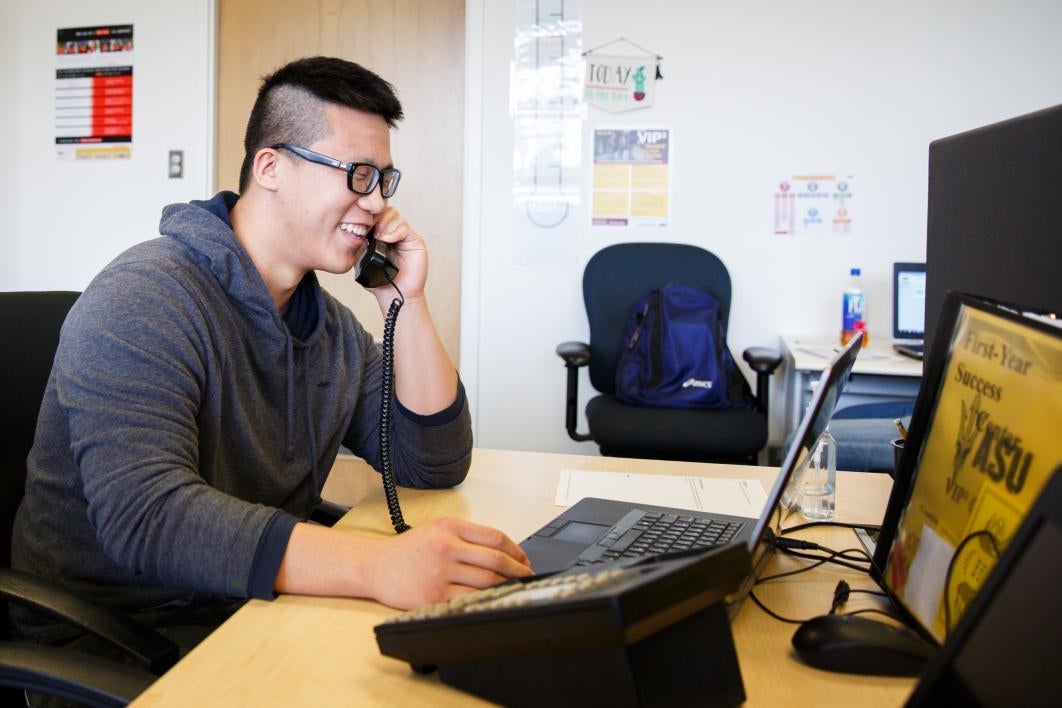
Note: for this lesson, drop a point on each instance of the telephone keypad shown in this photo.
(517, 594)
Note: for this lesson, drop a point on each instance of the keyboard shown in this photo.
(915, 351)
(647, 533)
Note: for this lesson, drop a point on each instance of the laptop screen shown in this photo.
(820, 410)
(983, 440)
(908, 301)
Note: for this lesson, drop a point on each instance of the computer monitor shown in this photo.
(908, 302)
(992, 226)
(983, 440)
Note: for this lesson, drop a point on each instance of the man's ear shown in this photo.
(265, 169)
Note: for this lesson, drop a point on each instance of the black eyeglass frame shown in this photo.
(348, 167)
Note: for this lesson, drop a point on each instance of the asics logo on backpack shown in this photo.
(694, 382)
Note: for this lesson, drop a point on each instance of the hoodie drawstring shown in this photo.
(314, 472)
(289, 434)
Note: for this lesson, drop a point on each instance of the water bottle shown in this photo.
(852, 309)
(818, 481)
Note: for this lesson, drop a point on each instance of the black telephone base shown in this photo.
(692, 662)
(655, 633)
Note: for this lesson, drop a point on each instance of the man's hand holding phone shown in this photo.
(407, 253)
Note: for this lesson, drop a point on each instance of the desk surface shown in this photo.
(322, 651)
(812, 353)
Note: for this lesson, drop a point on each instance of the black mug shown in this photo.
(897, 454)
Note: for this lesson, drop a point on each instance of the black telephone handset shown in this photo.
(375, 269)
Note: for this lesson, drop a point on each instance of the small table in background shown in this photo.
(879, 374)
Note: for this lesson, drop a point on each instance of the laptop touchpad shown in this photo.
(579, 532)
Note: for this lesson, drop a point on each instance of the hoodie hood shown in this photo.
(205, 229)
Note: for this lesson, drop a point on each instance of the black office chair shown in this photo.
(613, 279)
(29, 329)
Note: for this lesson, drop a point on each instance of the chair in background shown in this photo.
(864, 434)
(613, 279)
(29, 328)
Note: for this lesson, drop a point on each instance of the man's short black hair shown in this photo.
(290, 105)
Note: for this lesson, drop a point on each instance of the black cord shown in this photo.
(876, 611)
(841, 595)
(842, 524)
(951, 567)
(772, 613)
(819, 560)
(386, 396)
(842, 558)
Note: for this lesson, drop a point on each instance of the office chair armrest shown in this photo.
(328, 513)
(145, 645)
(762, 359)
(71, 675)
(574, 353)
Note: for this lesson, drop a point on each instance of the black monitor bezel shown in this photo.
(941, 683)
(898, 268)
(921, 421)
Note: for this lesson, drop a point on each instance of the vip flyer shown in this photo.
(94, 93)
(631, 177)
(992, 445)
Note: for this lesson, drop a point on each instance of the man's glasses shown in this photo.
(361, 178)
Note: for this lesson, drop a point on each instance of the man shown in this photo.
(204, 383)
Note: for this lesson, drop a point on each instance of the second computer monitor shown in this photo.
(908, 302)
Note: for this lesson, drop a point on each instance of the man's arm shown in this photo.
(425, 378)
(432, 562)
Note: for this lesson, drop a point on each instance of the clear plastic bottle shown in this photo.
(818, 480)
(853, 307)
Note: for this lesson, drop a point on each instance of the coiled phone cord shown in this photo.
(387, 395)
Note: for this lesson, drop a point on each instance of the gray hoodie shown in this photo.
(185, 429)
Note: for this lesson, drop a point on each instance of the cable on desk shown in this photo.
(843, 592)
(772, 613)
(842, 558)
(819, 560)
(876, 611)
(842, 524)
(840, 596)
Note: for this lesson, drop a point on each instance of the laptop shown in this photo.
(596, 530)
(909, 309)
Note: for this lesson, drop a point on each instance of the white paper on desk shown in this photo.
(736, 497)
(821, 352)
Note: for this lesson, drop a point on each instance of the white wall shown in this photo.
(751, 91)
(63, 221)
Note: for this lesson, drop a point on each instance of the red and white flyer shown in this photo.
(94, 93)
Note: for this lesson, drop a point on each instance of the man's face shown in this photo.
(327, 222)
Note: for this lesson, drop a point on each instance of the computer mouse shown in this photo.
(858, 645)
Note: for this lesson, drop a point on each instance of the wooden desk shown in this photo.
(879, 374)
(322, 651)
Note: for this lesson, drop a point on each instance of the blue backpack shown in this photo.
(675, 355)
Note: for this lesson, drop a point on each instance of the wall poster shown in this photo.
(94, 93)
(631, 177)
(815, 204)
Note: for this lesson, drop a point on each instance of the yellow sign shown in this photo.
(992, 444)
